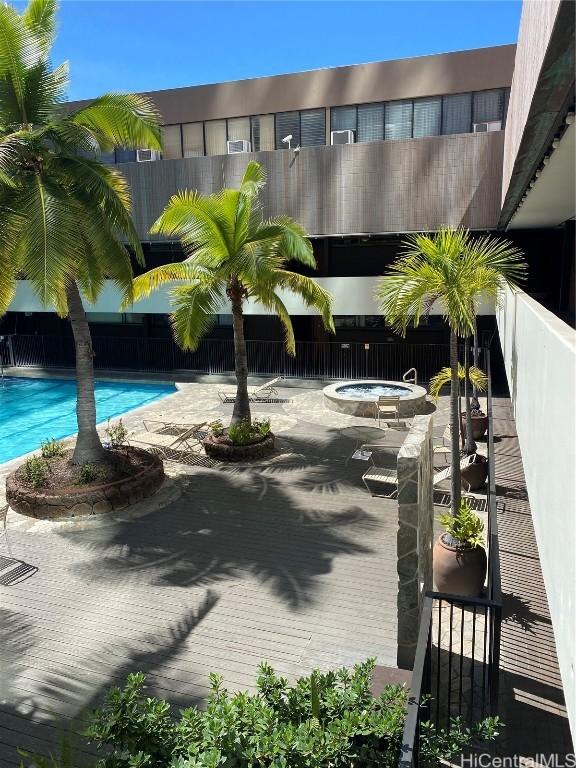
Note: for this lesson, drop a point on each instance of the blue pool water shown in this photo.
(372, 391)
(33, 410)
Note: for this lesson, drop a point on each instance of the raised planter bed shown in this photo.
(222, 449)
(90, 499)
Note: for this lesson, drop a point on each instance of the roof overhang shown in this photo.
(552, 198)
(553, 97)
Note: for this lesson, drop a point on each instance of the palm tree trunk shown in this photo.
(241, 410)
(470, 446)
(455, 480)
(88, 448)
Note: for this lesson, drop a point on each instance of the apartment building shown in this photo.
(360, 155)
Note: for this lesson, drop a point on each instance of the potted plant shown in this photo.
(239, 442)
(475, 474)
(459, 558)
(478, 419)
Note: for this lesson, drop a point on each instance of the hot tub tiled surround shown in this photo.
(412, 398)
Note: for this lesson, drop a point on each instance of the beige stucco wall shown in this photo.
(384, 186)
(536, 25)
(539, 353)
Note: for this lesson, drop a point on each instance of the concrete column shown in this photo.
(415, 532)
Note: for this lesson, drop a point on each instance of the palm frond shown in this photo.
(294, 244)
(121, 120)
(254, 179)
(194, 307)
(49, 238)
(270, 299)
(19, 50)
(477, 378)
(190, 216)
(310, 291)
(39, 17)
(99, 186)
(144, 285)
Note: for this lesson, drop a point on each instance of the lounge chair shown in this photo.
(265, 393)
(388, 405)
(389, 477)
(173, 442)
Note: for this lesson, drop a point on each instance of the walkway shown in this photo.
(532, 701)
(291, 562)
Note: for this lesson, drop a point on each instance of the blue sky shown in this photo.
(134, 46)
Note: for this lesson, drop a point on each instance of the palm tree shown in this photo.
(64, 215)
(233, 254)
(456, 270)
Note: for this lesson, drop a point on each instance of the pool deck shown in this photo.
(290, 561)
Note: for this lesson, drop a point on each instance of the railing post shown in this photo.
(10, 351)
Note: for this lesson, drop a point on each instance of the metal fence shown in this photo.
(457, 663)
(313, 359)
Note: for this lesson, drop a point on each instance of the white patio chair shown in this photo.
(262, 394)
(388, 405)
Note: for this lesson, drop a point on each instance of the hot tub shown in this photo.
(358, 398)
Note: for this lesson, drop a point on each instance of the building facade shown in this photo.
(383, 149)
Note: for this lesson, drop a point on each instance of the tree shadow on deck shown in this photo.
(28, 722)
(226, 528)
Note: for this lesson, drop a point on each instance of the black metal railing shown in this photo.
(313, 359)
(457, 662)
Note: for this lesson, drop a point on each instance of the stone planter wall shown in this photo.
(222, 451)
(415, 533)
(83, 501)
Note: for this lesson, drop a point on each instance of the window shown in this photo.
(343, 119)
(427, 114)
(115, 318)
(457, 113)
(398, 124)
(215, 137)
(193, 139)
(370, 122)
(171, 142)
(287, 123)
(488, 106)
(239, 128)
(262, 133)
(125, 155)
(313, 127)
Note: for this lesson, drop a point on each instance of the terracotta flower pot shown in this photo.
(459, 570)
(475, 474)
(479, 425)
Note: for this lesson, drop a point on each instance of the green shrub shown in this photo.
(117, 434)
(216, 427)
(34, 471)
(245, 432)
(261, 427)
(327, 720)
(466, 527)
(52, 448)
(88, 473)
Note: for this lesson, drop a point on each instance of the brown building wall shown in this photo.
(446, 73)
(390, 186)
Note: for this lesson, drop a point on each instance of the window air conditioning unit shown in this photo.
(342, 137)
(494, 125)
(238, 145)
(147, 155)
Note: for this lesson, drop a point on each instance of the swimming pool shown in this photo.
(33, 410)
